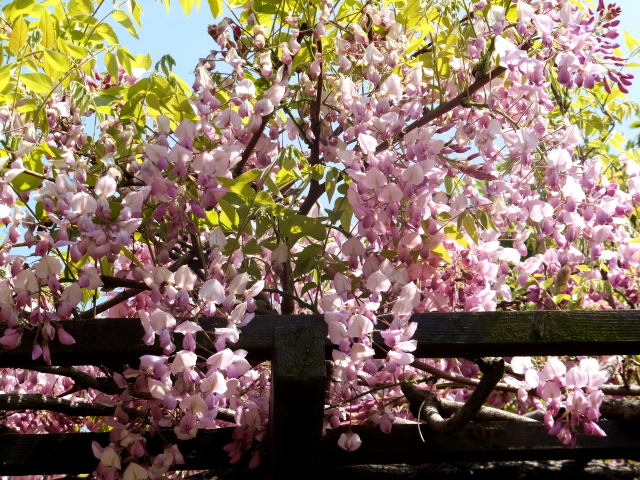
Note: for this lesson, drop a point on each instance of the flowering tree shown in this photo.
(362, 160)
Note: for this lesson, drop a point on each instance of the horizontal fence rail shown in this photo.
(118, 340)
(495, 441)
(298, 347)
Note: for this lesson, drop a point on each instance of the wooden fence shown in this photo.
(298, 348)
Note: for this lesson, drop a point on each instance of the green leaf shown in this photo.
(443, 253)
(265, 6)
(297, 226)
(129, 254)
(24, 182)
(80, 96)
(263, 198)
(229, 216)
(617, 141)
(124, 20)
(37, 82)
(216, 7)
(333, 174)
(18, 36)
(469, 224)
(347, 214)
(307, 259)
(240, 185)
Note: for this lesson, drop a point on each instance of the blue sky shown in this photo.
(185, 37)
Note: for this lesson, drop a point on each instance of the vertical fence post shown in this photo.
(297, 399)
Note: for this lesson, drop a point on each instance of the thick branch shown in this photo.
(116, 282)
(237, 170)
(76, 408)
(474, 382)
(487, 414)
(316, 189)
(287, 305)
(35, 401)
(425, 404)
(622, 408)
(112, 302)
(315, 116)
(82, 379)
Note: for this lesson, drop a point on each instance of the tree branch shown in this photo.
(607, 389)
(116, 282)
(36, 401)
(82, 379)
(237, 170)
(424, 404)
(444, 107)
(316, 189)
(487, 414)
(131, 292)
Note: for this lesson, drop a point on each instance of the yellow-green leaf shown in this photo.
(617, 141)
(630, 41)
(111, 62)
(37, 82)
(216, 7)
(452, 232)
(142, 61)
(76, 51)
(79, 7)
(18, 35)
(136, 11)
(106, 33)
(442, 253)
(56, 61)
(187, 5)
(124, 20)
(125, 58)
(5, 76)
(47, 26)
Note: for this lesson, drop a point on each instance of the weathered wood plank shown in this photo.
(71, 452)
(108, 341)
(491, 441)
(298, 386)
